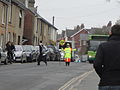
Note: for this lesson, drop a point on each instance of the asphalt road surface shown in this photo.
(29, 76)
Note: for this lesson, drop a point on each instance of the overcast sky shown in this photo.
(69, 13)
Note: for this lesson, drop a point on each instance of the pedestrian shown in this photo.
(41, 56)
(9, 51)
(67, 54)
(107, 63)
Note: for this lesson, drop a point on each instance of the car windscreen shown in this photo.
(94, 45)
(18, 48)
(36, 48)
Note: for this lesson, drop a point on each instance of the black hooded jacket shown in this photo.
(107, 63)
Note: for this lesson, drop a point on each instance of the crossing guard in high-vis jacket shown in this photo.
(68, 53)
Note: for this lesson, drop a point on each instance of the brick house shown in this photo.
(80, 39)
(29, 26)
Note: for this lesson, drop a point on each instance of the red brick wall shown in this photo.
(77, 38)
(29, 26)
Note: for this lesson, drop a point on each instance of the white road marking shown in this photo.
(73, 80)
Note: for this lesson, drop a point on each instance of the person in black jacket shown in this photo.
(9, 51)
(107, 63)
(41, 57)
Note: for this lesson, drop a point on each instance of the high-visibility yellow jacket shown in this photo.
(67, 52)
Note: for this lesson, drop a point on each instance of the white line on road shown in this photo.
(73, 80)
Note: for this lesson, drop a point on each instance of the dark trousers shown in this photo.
(67, 63)
(10, 56)
(41, 58)
(109, 88)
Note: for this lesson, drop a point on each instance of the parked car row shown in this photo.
(55, 54)
(29, 53)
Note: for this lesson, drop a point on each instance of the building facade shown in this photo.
(80, 39)
(11, 22)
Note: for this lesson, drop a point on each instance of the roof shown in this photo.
(19, 4)
(47, 22)
(70, 32)
(5, 1)
(78, 32)
(22, 5)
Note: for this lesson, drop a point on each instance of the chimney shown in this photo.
(26, 3)
(53, 20)
(31, 3)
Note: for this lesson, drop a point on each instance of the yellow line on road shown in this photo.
(73, 80)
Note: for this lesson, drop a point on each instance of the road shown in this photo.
(29, 76)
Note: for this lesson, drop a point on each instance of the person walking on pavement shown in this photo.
(107, 63)
(67, 54)
(9, 51)
(41, 57)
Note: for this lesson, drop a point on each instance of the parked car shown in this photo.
(51, 54)
(3, 56)
(30, 52)
(37, 51)
(55, 53)
(19, 54)
(61, 55)
(45, 52)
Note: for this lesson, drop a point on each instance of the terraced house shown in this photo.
(36, 28)
(11, 21)
(20, 23)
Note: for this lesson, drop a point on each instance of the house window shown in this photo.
(1, 40)
(18, 40)
(9, 36)
(20, 18)
(80, 42)
(10, 13)
(37, 26)
(84, 42)
(14, 37)
(3, 14)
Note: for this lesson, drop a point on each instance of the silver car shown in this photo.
(30, 52)
(19, 54)
(3, 56)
